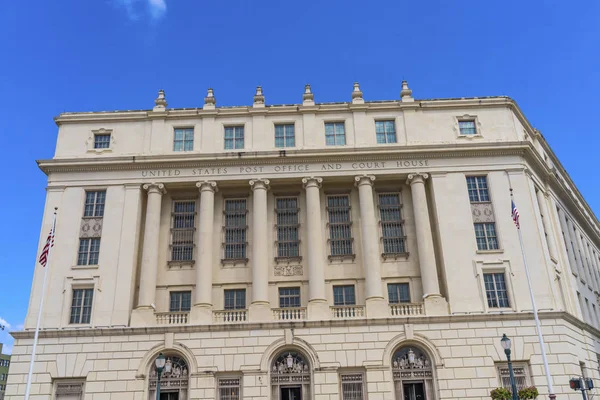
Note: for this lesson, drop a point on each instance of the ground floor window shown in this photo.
(352, 386)
(290, 377)
(173, 380)
(521, 371)
(229, 388)
(69, 390)
(413, 375)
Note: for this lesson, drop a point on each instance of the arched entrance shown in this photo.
(290, 377)
(173, 380)
(413, 374)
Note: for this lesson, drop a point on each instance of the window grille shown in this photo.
(235, 299)
(81, 306)
(289, 297)
(467, 127)
(385, 131)
(234, 137)
(521, 373)
(69, 390)
(180, 301)
(495, 290)
(285, 135)
(229, 389)
(183, 139)
(392, 228)
(352, 387)
(398, 293)
(335, 134)
(478, 189)
(89, 251)
(344, 295)
(340, 232)
(102, 141)
(94, 203)
(183, 230)
(486, 237)
(288, 241)
(235, 229)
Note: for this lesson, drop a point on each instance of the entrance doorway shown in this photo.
(291, 393)
(169, 396)
(414, 391)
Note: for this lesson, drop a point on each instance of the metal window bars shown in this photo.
(235, 230)
(183, 229)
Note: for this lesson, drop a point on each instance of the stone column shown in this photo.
(260, 309)
(143, 315)
(375, 303)
(202, 310)
(547, 225)
(318, 309)
(435, 304)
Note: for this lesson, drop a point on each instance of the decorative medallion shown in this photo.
(288, 270)
(91, 228)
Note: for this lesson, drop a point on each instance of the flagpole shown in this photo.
(535, 314)
(39, 318)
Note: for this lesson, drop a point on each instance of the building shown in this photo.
(4, 364)
(309, 251)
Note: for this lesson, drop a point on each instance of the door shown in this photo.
(291, 393)
(414, 391)
(169, 396)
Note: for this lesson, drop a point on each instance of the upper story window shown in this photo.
(385, 131)
(81, 306)
(478, 189)
(101, 141)
(183, 140)
(343, 295)
(235, 229)
(180, 301)
(495, 290)
(392, 229)
(94, 203)
(486, 237)
(183, 230)
(234, 137)
(335, 134)
(285, 135)
(89, 251)
(288, 241)
(289, 297)
(398, 293)
(467, 127)
(235, 299)
(340, 232)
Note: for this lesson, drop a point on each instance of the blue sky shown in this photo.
(75, 55)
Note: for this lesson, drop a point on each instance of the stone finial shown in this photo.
(308, 98)
(357, 94)
(259, 97)
(406, 93)
(160, 102)
(210, 101)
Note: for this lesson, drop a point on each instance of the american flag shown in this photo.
(515, 214)
(49, 243)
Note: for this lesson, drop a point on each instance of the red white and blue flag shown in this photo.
(49, 243)
(515, 214)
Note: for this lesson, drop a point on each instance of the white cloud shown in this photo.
(135, 9)
(5, 338)
(158, 8)
(4, 323)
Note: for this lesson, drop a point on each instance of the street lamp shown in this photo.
(160, 364)
(505, 341)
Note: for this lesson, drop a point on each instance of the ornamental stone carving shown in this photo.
(91, 228)
(259, 184)
(288, 270)
(364, 180)
(207, 185)
(312, 182)
(416, 177)
(482, 212)
(155, 188)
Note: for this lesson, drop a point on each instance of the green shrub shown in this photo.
(500, 394)
(528, 393)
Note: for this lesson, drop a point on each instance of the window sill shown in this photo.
(100, 151)
(187, 264)
(395, 256)
(470, 137)
(96, 266)
(342, 258)
(287, 260)
(495, 251)
(234, 261)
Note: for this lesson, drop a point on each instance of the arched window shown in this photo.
(173, 380)
(290, 377)
(413, 374)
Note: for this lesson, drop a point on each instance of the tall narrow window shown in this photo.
(183, 222)
(285, 135)
(335, 134)
(288, 241)
(343, 295)
(234, 137)
(229, 388)
(235, 229)
(183, 139)
(81, 306)
(467, 127)
(340, 231)
(385, 131)
(94, 203)
(495, 290)
(180, 301)
(392, 229)
(89, 251)
(352, 387)
(102, 141)
(398, 293)
(235, 299)
(289, 297)
(478, 189)
(486, 236)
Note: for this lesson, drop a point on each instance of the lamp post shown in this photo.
(505, 341)
(160, 364)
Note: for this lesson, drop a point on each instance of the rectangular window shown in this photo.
(521, 373)
(335, 134)
(234, 137)
(392, 230)
(285, 135)
(180, 301)
(340, 232)
(289, 297)
(288, 241)
(235, 229)
(495, 290)
(344, 295)
(81, 307)
(352, 387)
(485, 233)
(94, 203)
(398, 293)
(478, 189)
(235, 299)
(229, 388)
(183, 230)
(467, 127)
(385, 131)
(183, 139)
(102, 141)
(89, 250)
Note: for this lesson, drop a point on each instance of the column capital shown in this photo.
(312, 181)
(155, 188)
(210, 186)
(259, 184)
(365, 179)
(416, 177)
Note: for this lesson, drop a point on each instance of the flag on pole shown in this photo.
(49, 243)
(515, 214)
